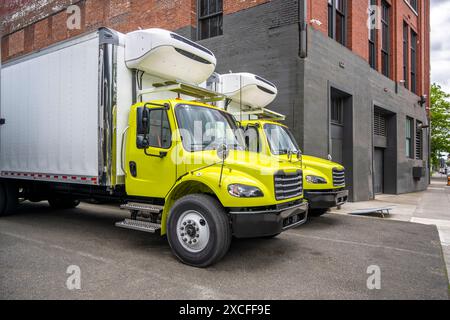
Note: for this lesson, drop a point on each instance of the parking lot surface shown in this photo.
(328, 258)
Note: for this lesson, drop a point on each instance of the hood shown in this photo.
(319, 163)
(257, 163)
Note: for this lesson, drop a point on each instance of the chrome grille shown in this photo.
(288, 185)
(338, 178)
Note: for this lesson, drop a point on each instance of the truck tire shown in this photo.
(198, 230)
(60, 203)
(9, 198)
(317, 212)
(2, 199)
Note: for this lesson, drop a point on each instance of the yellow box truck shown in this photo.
(121, 117)
(247, 97)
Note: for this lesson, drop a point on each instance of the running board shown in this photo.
(135, 206)
(138, 225)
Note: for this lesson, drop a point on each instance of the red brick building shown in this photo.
(353, 92)
(27, 27)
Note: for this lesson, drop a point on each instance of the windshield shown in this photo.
(206, 128)
(281, 140)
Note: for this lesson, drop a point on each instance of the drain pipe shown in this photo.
(303, 28)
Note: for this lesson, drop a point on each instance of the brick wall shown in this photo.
(32, 25)
(358, 34)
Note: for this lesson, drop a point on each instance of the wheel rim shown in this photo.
(193, 231)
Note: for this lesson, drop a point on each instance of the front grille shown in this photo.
(288, 185)
(338, 178)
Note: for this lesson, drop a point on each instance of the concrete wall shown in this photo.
(330, 64)
(265, 40)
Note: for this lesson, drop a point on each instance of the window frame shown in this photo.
(406, 49)
(386, 14)
(208, 17)
(333, 12)
(140, 134)
(413, 61)
(409, 138)
(258, 138)
(339, 103)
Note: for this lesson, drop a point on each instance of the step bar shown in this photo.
(139, 225)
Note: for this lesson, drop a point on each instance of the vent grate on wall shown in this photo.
(379, 124)
(419, 142)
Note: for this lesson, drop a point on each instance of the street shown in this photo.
(328, 258)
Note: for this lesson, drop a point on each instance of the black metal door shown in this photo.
(378, 167)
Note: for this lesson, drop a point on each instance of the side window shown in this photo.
(252, 139)
(159, 134)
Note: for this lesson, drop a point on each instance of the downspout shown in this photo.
(303, 28)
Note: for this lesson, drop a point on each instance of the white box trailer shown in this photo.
(66, 107)
(58, 105)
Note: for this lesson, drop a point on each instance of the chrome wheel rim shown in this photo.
(193, 231)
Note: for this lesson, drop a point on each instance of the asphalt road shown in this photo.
(325, 259)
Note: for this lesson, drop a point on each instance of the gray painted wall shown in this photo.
(265, 40)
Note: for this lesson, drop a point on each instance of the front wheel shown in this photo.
(198, 230)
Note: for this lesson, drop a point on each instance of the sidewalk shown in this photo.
(431, 207)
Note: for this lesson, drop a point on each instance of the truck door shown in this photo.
(150, 169)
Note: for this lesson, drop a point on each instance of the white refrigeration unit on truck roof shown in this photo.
(248, 94)
(66, 107)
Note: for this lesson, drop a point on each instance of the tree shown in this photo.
(440, 122)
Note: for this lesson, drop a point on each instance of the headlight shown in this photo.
(316, 180)
(243, 191)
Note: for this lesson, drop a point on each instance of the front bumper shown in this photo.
(264, 223)
(326, 199)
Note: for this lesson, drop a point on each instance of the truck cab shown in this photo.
(323, 180)
(192, 157)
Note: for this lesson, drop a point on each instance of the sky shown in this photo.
(440, 43)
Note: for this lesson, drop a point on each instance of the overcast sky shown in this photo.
(440, 43)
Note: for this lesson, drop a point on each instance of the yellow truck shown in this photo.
(247, 97)
(120, 117)
(323, 180)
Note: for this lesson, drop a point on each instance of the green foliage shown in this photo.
(440, 122)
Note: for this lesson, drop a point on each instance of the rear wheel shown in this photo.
(2, 199)
(61, 203)
(9, 198)
(198, 230)
(318, 212)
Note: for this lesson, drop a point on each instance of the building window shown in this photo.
(413, 61)
(413, 4)
(337, 111)
(419, 141)
(210, 18)
(386, 38)
(409, 131)
(337, 20)
(373, 38)
(405, 53)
